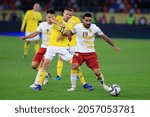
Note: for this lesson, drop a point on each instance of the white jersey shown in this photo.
(85, 37)
(45, 29)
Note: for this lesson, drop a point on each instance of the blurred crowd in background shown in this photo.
(117, 6)
(129, 7)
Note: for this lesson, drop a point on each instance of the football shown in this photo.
(114, 90)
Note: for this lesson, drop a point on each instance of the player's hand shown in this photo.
(59, 38)
(62, 25)
(22, 29)
(69, 35)
(116, 48)
(22, 38)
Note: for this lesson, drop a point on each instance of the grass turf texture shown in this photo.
(129, 68)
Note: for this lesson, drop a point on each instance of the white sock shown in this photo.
(102, 84)
(46, 74)
(37, 77)
(73, 80)
(105, 87)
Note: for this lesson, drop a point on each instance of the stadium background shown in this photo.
(129, 68)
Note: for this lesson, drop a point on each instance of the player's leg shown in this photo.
(100, 78)
(50, 53)
(92, 62)
(26, 49)
(77, 61)
(59, 68)
(37, 64)
(73, 76)
(36, 46)
(47, 77)
(42, 75)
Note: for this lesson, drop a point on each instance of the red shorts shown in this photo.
(90, 59)
(39, 55)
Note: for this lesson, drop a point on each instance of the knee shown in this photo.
(27, 42)
(75, 66)
(34, 65)
(96, 72)
(36, 42)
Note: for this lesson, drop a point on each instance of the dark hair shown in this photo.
(68, 9)
(50, 11)
(87, 15)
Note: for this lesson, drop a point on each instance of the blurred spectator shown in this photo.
(103, 20)
(4, 14)
(13, 16)
(73, 4)
(115, 6)
(18, 4)
(112, 20)
(130, 19)
(142, 20)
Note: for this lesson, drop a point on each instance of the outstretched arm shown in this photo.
(53, 20)
(107, 39)
(29, 36)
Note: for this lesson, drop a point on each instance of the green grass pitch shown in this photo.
(129, 68)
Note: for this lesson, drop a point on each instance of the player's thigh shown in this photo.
(51, 52)
(72, 49)
(65, 53)
(39, 55)
(78, 58)
(92, 61)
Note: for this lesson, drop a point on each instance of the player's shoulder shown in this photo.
(75, 18)
(79, 25)
(29, 11)
(43, 23)
(58, 17)
(94, 26)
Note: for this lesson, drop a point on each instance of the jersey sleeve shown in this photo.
(74, 29)
(76, 20)
(25, 19)
(98, 31)
(40, 17)
(39, 29)
(57, 27)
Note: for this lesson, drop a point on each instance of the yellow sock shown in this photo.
(101, 75)
(59, 67)
(42, 77)
(74, 71)
(39, 68)
(79, 74)
(26, 49)
(81, 77)
(36, 47)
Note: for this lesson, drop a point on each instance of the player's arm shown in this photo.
(29, 36)
(107, 39)
(24, 22)
(54, 21)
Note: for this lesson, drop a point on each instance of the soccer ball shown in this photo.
(114, 90)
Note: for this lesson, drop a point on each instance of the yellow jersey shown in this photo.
(55, 32)
(74, 20)
(31, 19)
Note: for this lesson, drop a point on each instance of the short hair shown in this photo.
(50, 11)
(68, 9)
(87, 15)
